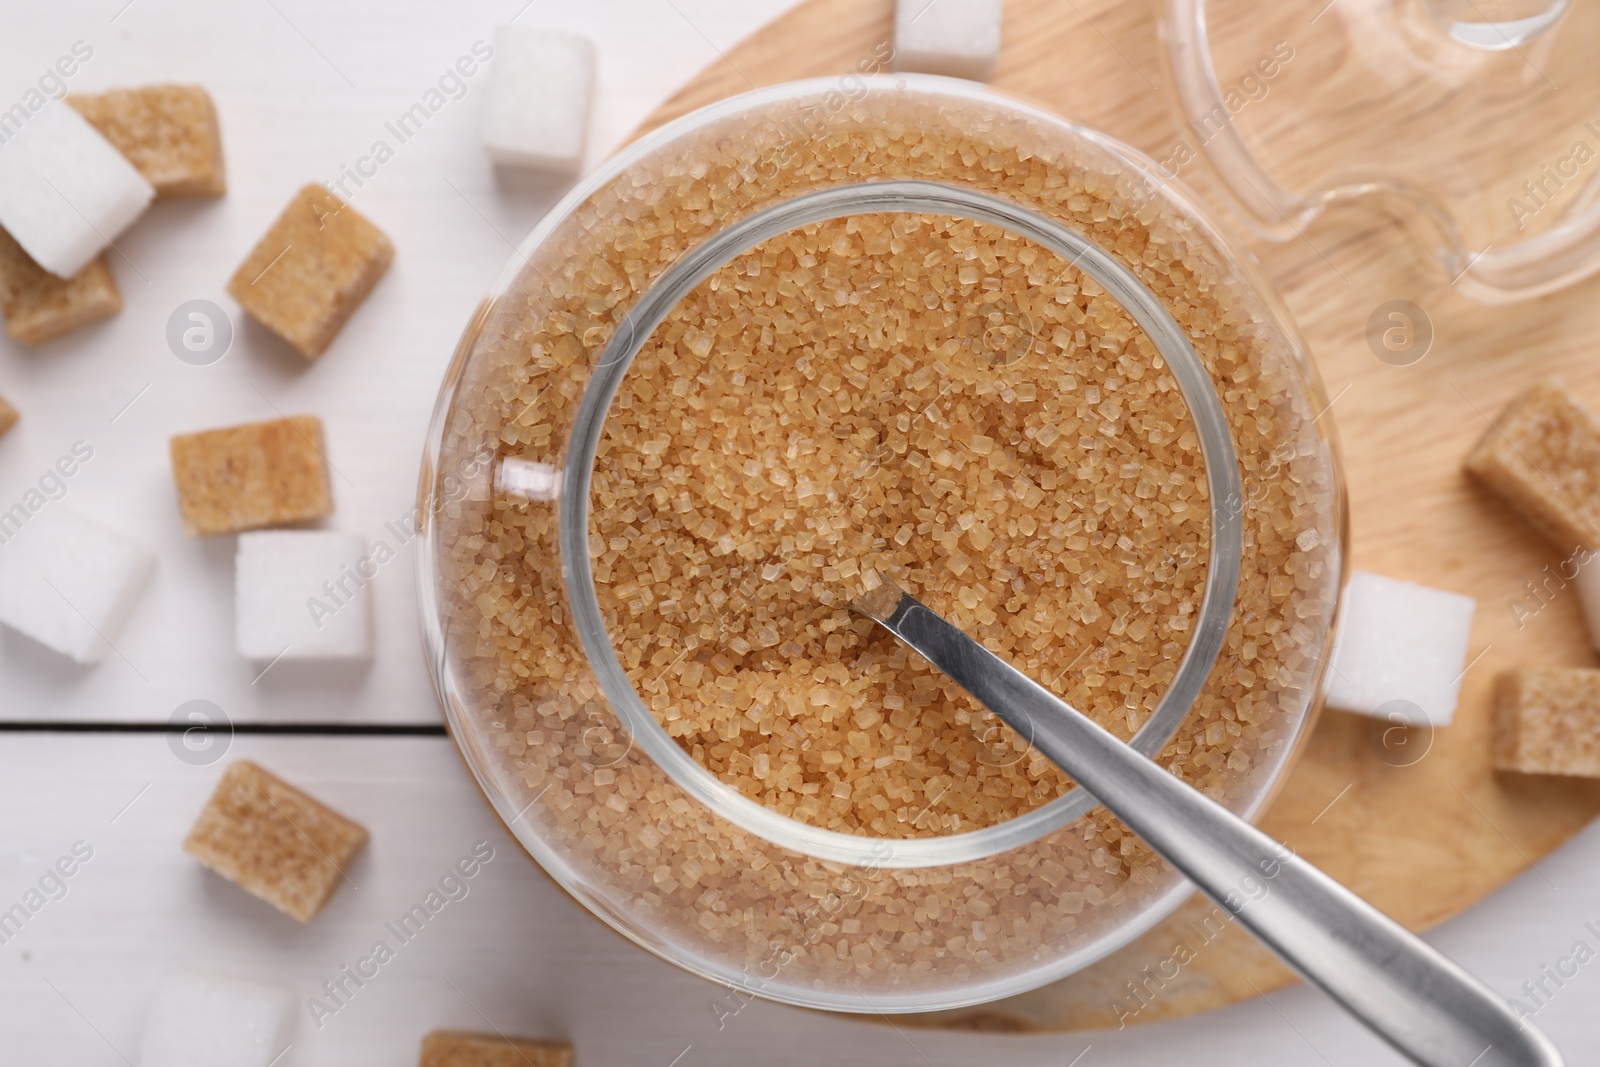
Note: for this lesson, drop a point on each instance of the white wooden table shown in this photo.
(304, 88)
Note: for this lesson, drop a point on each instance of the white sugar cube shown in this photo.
(1401, 650)
(541, 86)
(66, 581)
(65, 193)
(301, 594)
(202, 1020)
(959, 38)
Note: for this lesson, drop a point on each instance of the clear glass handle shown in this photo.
(1496, 25)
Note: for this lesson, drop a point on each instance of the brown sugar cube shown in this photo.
(311, 270)
(169, 132)
(38, 306)
(457, 1048)
(267, 837)
(8, 416)
(246, 477)
(1547, 721)
(1543, 455)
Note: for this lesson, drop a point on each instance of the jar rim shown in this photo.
(882, 197)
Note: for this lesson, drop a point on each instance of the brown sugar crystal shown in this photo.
(1542, 454)
(1547, 721)
(931, 398)
(1032, 378)
(311, 270)
(796, 462)
(250, 476)
(38, 306)
(269, 838)
(8, 416)
(456, 1048)
(169, 132)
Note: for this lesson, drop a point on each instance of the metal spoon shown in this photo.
(1431, 1010)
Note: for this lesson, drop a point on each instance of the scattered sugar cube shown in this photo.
(169, 132)
(1399, 645)
(67, 581)
(205, 1020)
(65, 192)
(250, 476)
(311, 270)
(1547, 721)
(960, 38)
(270, 839)
(541, 89)
(8, 419)
(301, 594)
(38, 306)
(1542, 454)
(1588, 583)
(457, 1048)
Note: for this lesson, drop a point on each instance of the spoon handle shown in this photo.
(1428, 1008)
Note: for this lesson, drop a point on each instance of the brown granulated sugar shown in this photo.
(931, 398)
(916, 394)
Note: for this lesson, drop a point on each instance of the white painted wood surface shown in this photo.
(516, 954)
(303, 88)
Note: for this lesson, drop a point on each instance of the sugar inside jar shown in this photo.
(750, 780)
(929, 397)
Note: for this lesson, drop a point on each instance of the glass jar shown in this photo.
(1057, 273)
(1301, 107)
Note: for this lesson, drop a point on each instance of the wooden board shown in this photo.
(1422, 841)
